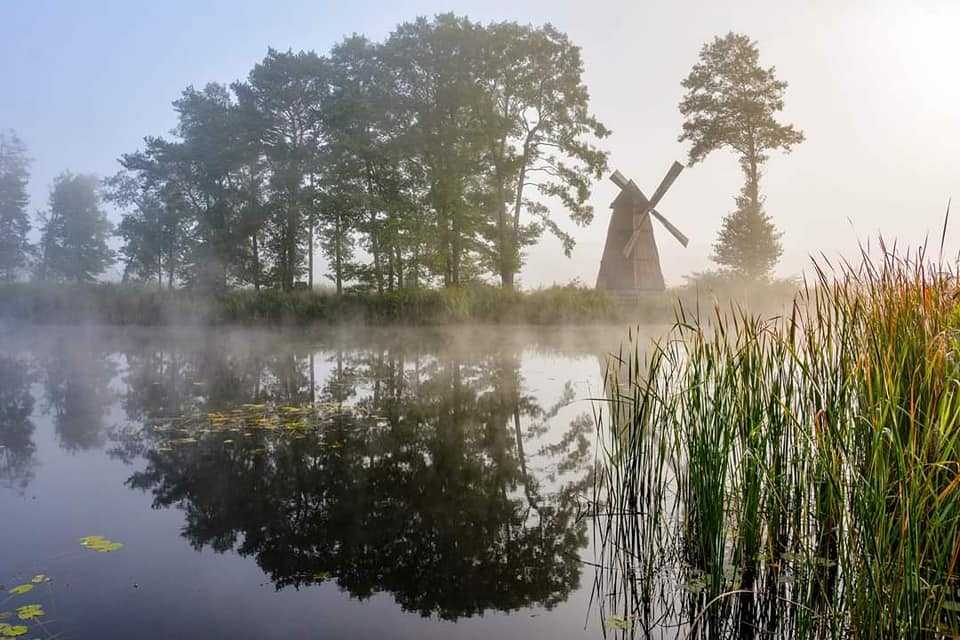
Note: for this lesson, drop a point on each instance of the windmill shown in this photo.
(631, 262)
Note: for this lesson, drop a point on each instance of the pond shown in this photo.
(424, 483)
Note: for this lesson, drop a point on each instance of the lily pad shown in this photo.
(618, 622)
(12, 631)
(100, 544)
(37, 579)
(30, 611)
(20, 589)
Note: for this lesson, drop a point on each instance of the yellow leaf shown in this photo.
(21, 589)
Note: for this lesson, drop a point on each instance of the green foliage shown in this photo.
(424, 150)
(732, 102)
(73, 243)
(15, 249)
(804, 462)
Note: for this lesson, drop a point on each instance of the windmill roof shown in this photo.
(627, 198)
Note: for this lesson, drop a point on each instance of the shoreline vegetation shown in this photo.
(797, 474)
(136, 305)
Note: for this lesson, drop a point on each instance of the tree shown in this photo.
(207, 167)
(536, 128)
(283, 99)
(431, 69)
(75, 231)
(732, 102)
(15, 249)
(153, 221)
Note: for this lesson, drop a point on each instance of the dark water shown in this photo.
(408, 484)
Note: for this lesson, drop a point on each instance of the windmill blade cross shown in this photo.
(649, 208)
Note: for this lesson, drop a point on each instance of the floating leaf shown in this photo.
(12, 631)
(618, 622)
(37, 579)
(100, 544)
(21, 589)
(30, 611)
(320, 576)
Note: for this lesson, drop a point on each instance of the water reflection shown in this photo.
(17, 449)
(76, 377)
(435, 483)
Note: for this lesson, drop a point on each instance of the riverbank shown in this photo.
(116, 304)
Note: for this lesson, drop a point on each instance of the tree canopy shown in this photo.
(435, 156)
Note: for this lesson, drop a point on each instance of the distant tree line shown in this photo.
(73, 231)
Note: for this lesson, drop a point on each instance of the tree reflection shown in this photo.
(76, 379)
(437, 486)
(17, 450)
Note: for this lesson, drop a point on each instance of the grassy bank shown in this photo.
(799, 474)
(131, 305)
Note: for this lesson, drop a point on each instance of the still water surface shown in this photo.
(375, 484)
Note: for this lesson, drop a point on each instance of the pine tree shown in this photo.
(15, 249)
(748, 243)
(75, 231)
(730, 103)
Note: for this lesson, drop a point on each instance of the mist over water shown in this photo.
(376, 483)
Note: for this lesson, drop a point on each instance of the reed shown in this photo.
(790, 476)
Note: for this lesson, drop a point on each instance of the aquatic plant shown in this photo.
(795, 475)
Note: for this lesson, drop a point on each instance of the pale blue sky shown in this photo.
(873, 85)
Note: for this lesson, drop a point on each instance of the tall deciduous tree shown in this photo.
(431, 65)
(75, 231)
(732, 102)
(15, 249)
(538, 136)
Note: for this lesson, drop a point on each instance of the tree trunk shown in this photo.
(338, 255)
(256, 263)
(310, 277)
(505, 237)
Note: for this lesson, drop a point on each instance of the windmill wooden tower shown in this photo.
(631, 262)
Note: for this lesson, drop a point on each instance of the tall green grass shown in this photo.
(790, 476)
